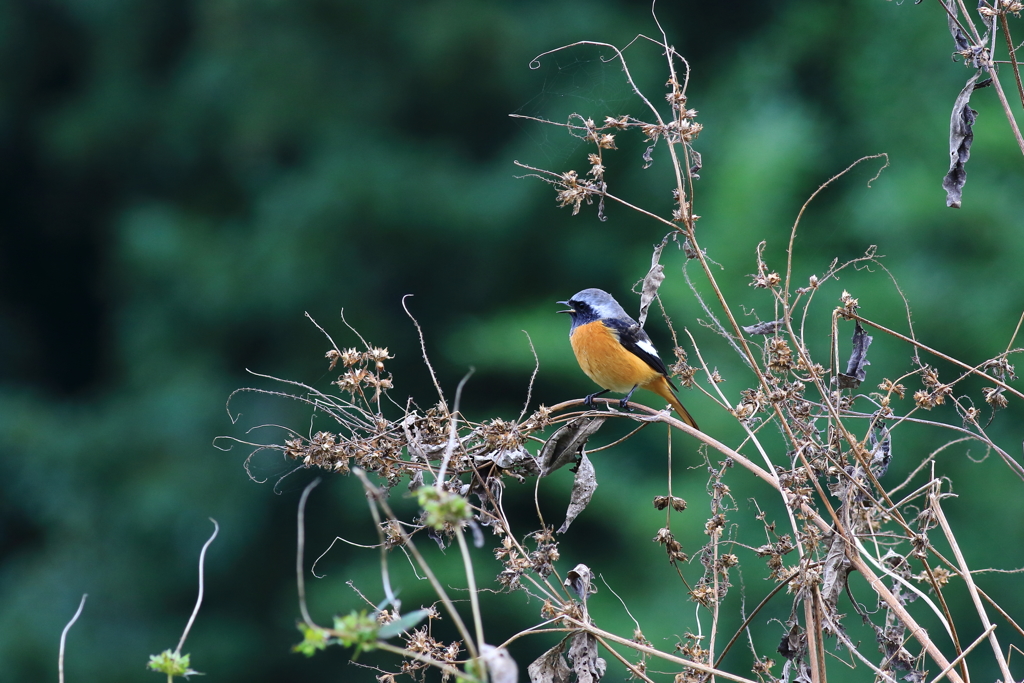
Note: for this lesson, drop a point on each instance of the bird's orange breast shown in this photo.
(607, 361)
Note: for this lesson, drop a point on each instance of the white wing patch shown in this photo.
(647, 346)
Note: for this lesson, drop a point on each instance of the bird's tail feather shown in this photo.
(662, 388)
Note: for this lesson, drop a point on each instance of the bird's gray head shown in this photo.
(594, 304)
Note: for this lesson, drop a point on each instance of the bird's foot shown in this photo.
(624, 404)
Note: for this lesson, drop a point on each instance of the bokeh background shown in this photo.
(181, 181)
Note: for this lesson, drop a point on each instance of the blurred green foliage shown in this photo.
(182, 180)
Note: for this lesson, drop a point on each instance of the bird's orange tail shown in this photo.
(662, 388)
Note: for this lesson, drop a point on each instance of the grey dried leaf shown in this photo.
(961, 135)
(550, 667)
(648, 158)
(834, 576)
(880, 445)
(988, 20)
(916, 676)
(856, 369)
(689, 249)
(509, 459)
(567, 442)
(890, 642)
(478, 534)
(652, 282)
(954, 27)
(794, 643)
(899, 566)
(580, 580)
(770, 327)
(583, 487)
(588, 667)
(501, 668)
(803, 674)
(695, 164)
(437, 538)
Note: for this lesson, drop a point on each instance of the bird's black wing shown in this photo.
(633, 337)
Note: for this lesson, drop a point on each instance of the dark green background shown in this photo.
(180, 181)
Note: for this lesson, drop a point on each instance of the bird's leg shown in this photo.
(625, 399)
(588, 402)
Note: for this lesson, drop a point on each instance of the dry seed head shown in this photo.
(999, 367)
(543, 558)
(765, 280)
(539, 420)
(888, 386)
(850, 305)
(994, 397)
(713, 527)
(677, 98)
(704, 594)
(780, 357)
(620, 123)
(941, 575)
(743, 411)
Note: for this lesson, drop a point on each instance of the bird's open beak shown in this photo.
(565, 303)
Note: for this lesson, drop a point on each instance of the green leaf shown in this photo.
(392, 629)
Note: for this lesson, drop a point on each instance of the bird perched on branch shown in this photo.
(615, 351)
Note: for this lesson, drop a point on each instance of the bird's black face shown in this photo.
(580, 311)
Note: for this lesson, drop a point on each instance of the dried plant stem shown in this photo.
(1013, 55)
(445, 668)
(858, 563)
(300, 579)
(423, 350)
(199, 600)
(987, 598)
(965, 573)
(639, 647)
(453, 432)
(1016, 330)
(746, 622)
(1013, 464)
(893, 603)
(939, 354)
(813, 631)
(1006, 109)
(385, 572)
(960, 657)
(474, 601)
(792, 233)
(937, 588)
(64, 635)
(422, 562)
(637, 673)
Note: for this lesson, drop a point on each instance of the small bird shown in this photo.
(615, 351)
